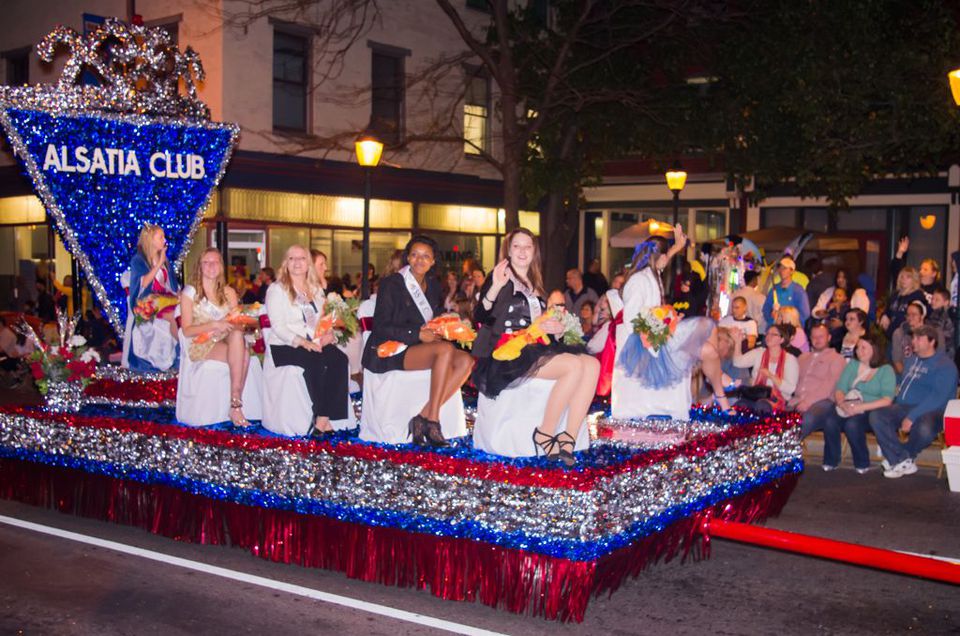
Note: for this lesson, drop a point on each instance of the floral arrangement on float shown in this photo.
(340, 316)
(511, 344)
(62, 371)
(656, 325)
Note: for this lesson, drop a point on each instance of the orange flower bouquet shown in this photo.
(152, 306)
(453, 328)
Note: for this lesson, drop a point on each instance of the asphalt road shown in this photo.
(51, 585)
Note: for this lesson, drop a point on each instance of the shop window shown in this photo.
(281, 238)
(16, 67)
(710, 224)
(778, 217)
(290, 56)
(387, 91)
(928, 235)
(859, 219)
(815, 219)
(476, 113)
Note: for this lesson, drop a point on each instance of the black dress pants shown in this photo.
(326, 374)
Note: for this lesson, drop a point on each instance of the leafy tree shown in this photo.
(829, 95)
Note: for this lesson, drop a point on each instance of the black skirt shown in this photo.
(326, 374)
(493, 376)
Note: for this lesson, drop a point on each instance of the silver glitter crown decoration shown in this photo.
(139, 70)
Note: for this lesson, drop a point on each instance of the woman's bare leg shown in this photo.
(565, 369)
(710, 365)
(438, 358)
(583, 396)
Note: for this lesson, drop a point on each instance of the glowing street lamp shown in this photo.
(954, 76)
(676, 179)
(369, 149)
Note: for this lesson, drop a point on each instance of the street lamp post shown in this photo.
(369, 149)
(676, 179)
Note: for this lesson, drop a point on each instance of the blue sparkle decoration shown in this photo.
(150, 170)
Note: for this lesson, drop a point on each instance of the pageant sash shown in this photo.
(416, 292)
(533, 302)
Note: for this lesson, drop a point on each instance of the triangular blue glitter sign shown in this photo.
(106, 159)
(102, 177)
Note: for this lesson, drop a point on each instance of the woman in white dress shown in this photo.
(647, 382)
(204, 307)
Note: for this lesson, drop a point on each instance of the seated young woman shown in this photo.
(406, 301)
(511, 299)
(204, 307)
(294, 306)
(647, 382)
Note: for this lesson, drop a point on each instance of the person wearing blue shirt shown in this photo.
(929, 381)
(786, 294)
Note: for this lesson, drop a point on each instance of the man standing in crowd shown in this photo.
(265, 278)
(577, 293)
(819, 280)
(46, 307)
(594, 278)
(820, 368)
(929, 382)
(754, 298)
(786, 294)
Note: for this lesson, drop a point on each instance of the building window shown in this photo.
(476, 113)
(290, 54)
(387, 94)
(479, 5)
(16, 67)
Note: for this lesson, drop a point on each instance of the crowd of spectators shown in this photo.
(853, 364)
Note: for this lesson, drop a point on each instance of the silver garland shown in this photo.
(64, 397)
(140, 86)
(611, 506)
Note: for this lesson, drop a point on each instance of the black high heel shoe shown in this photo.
(567, 443)
(547, 444)
(415, 429)
(434, 435)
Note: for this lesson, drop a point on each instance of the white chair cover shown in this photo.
(391, 399)
(203, 390)
(287, 409)
(505, 425)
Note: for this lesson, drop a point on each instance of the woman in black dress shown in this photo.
(406, 301)
(511, 299)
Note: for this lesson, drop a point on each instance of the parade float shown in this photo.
(521, 534)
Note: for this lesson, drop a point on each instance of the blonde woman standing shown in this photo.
(294, 306)
(204, 306)
(151, 272)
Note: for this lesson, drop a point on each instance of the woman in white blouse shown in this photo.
(204, 306)
(771, 366)
(294, 306)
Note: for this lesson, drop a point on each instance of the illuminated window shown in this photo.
(476, 113)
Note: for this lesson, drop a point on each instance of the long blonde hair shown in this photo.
(146, 234)
(283, 275)
(535, 273)
(908, 273)
(221, 297)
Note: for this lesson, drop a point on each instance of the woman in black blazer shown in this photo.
(406, 300)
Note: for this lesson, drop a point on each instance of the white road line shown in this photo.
(299, 590)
